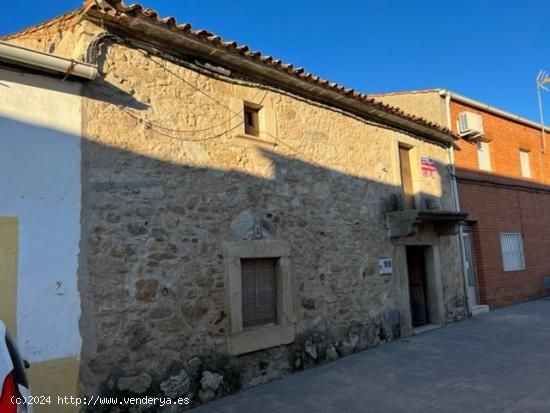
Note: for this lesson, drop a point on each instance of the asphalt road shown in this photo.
(495, 362)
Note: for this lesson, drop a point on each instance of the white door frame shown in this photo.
(470, 269)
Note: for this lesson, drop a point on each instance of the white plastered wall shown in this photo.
(40, 124)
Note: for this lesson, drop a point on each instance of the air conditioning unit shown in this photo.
(470, 125)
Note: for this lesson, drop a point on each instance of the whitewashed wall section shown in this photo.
(40, 124)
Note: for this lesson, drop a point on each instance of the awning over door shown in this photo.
(406, 223)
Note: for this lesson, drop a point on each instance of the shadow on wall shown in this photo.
(106, 91)
(152, 275)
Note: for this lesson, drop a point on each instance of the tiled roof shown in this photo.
(185, 29)
(118, 8)
(170, 23)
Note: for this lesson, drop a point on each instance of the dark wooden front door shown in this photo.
(417, 286)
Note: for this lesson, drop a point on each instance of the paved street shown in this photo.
(496, 362)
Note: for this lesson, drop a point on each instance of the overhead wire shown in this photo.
(208, 138)
(146, 54)
(171, 136)
(151, 52)
(149, 123)
(164, 67)
(165, 131)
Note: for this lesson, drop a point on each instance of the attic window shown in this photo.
(251, 120)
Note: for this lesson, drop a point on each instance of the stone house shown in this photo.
(501, 167)
(242, 219)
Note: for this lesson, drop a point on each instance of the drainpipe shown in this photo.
(454, 188)
(456, 202)
(34, 58)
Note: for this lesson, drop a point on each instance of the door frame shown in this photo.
(434, 284)
(473, 300)
(416, 256)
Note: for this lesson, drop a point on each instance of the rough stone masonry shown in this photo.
(169, 177)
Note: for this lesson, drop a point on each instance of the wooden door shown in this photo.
(417, 286)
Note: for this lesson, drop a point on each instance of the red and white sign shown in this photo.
(428, 167)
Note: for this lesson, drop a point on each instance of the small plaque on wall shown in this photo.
(385, 266)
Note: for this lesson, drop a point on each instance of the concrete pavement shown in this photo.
(494, 362)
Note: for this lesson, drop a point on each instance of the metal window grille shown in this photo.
(511, 245)
(259, 291)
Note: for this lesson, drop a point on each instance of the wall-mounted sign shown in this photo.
(428, 167)
(385, 266)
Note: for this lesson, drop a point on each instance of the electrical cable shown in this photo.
(209, 138)
(151, 124)
(155, 127)
(216, 136)
(186, 81)
(149, 50)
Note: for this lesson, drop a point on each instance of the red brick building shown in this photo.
(503, 179)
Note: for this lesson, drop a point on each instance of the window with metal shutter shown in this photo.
(511, 245)
(259, 291)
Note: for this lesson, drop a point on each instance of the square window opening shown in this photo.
(259, 291)
(251, 120)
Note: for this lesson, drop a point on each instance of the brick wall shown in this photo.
(502, 201)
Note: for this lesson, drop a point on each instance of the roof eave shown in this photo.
(177, 43)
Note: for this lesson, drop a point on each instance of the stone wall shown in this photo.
(158, 203)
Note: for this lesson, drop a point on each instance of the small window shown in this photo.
(525, 165)
(251, 120)
(259, 291)
(483, 156)
(511, 245)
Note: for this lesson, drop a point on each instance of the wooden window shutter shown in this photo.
(259, 291)
(406, 177)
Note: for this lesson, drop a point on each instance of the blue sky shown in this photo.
(488, 50)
